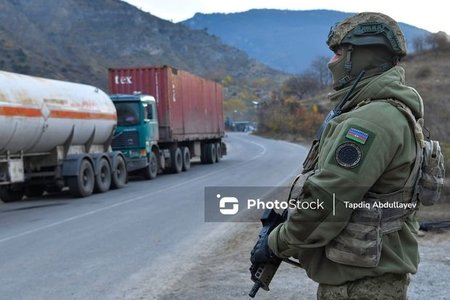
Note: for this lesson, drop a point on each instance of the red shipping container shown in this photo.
(189, 107)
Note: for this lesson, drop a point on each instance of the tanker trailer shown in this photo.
(56, 134)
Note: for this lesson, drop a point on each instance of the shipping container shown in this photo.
(189, 107)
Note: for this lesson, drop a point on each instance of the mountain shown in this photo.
(282, 39)
(78, 40)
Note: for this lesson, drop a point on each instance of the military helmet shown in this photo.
(368, 28)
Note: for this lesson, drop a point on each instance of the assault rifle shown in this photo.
(262, 274)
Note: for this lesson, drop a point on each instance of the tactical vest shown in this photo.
(360, 242)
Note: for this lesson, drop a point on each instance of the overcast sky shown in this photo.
(428, 14)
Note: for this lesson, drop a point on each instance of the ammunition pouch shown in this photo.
(360, 242)
(429, 163)
(432, 173)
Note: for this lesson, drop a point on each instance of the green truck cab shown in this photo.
(136, 135)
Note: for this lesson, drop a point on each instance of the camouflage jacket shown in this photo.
(366, 149)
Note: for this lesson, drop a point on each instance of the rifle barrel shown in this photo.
(254, 289)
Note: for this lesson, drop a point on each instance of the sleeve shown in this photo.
(353, 155)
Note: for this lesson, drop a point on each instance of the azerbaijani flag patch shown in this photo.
(357, 136)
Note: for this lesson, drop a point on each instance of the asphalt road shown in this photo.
(132, 243)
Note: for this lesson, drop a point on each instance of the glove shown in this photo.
(261, 253)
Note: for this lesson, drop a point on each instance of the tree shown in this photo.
(228, 80)
(438, 40)
(419, 44)
(319, 68)
(300, 86)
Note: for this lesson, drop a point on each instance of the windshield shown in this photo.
(127, 113)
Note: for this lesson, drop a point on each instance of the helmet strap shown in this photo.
(348, 60)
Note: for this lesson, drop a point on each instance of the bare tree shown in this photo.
(419, 44)
(438, 40)
(300, 86)
(319, 68)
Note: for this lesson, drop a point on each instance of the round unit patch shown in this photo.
(348, 155)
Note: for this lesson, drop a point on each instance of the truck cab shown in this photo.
(136, 135)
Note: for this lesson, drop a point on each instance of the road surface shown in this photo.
(136, 242)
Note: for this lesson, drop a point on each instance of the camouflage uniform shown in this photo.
(386, 287)
(368, 152)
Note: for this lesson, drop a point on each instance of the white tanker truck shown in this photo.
(55, 134)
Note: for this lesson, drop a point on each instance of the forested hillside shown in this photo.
(78, 40)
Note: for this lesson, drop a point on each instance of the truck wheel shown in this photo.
(176, 160)
(203, 154)
(211, 154)
(103, 177)
(119, 174)
(218, 152)
(151, 171)
(186, 159)
(83, 184)
(12, 193)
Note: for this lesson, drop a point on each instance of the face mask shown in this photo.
(337, 69)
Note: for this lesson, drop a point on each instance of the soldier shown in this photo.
(363, 244)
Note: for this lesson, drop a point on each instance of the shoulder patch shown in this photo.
(356, 135)
(348, 155)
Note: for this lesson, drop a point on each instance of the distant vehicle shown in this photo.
(165, 117)
(244, 126)
(56, 134)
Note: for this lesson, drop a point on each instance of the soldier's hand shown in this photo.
(261, 253)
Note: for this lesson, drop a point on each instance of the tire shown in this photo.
(176, 160)
(12, 193)
(119, 173)
(103, 177)
(151, 171)
(218, 152)
(186, 159)
(211, 154)
(83, 184)
(203, 154)
(35, 190)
